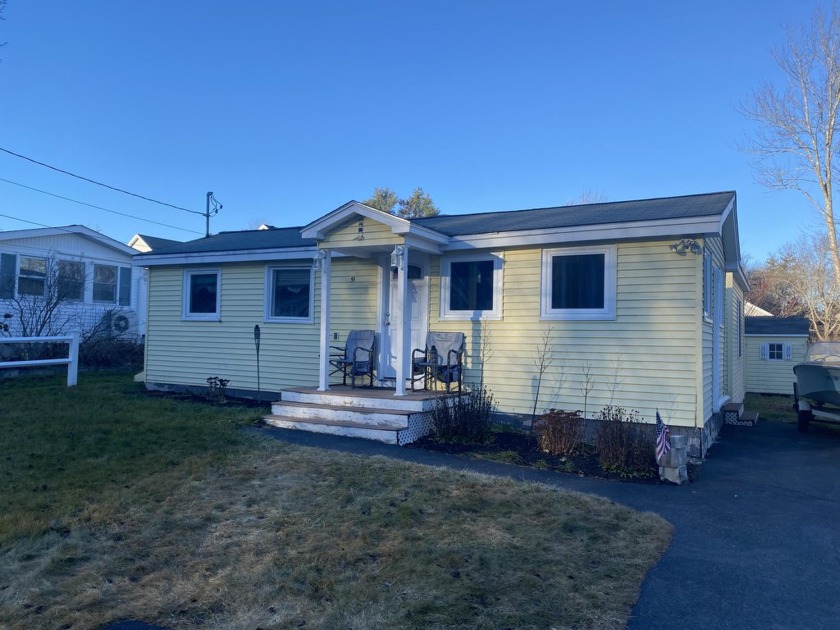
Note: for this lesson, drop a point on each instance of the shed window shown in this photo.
(578, 283)
(776, 352)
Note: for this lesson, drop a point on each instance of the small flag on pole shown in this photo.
(663, 437)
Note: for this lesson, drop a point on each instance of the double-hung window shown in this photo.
(707, 284)
(289, 294)
(471, 287)
(105, 283)
(202, 294)
(578, 283)
(32, 278)
(71, 280)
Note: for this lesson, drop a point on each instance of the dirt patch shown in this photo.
(512, 447)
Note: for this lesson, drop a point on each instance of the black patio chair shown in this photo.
(440, 361)
(355, 357)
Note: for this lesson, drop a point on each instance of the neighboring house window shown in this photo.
(201, 294)
(289, 293)
(578, 283)
(776, 352)
(32, 278)
(104, 283)
(707, 284)
(112, 284)
(471, 288)
(71, 280)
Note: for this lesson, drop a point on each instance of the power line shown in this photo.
(93, 181)
(6, 216)
(89, 205)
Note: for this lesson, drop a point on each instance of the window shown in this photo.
(707, 284)
(201, 294)
(71, 280)
(289, 294)
(32, 278)
(739, 313)
(104, 283)
(578, 283)
(776, 352)
(471, 288)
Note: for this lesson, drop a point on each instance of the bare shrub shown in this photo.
(467, 418)
(560, 432)
(622, 445)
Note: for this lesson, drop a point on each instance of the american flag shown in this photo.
(663, 437)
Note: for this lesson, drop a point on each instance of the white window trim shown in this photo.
(445, 276)
(268, 297)
(83, 280)
(185, 295)
(579, 314)
(20, 275)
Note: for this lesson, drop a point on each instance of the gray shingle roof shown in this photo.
(582, 215)
(276, 238)
(776, 325)
(664, 208)
(157, 243)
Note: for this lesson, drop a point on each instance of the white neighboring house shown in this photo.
(101, 285)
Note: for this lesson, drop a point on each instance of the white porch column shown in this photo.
(324, 261)
(403, 336)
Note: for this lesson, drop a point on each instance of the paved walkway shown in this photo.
(757, 536)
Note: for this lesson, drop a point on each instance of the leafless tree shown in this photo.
(543, 357)
(588, 196)
(796, 144)
(800, 280)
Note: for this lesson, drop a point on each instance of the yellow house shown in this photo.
(637, 303)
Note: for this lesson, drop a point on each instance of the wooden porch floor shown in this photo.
(376, 393)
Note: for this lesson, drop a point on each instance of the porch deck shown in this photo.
(371, 413)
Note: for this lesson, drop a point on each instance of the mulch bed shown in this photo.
(512, 447)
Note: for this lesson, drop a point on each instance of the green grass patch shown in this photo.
(772, 407)
(174, 516)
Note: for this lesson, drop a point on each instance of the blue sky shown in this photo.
(286, 110)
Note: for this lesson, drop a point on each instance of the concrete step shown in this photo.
(382, 433)
(369, 416)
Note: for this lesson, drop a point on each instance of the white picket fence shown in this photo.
(71, 361)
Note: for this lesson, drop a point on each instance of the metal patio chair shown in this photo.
(355, 357)
(440, 361)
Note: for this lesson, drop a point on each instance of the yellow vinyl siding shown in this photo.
(187, 352)
(772, 377)
(643, 360)
(734, 324)
(354, 298)
(715, 246)
(375, 233)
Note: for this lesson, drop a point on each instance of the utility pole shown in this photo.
(207, 213)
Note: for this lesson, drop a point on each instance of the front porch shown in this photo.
(373, 414)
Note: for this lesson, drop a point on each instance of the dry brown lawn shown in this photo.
(276, 536)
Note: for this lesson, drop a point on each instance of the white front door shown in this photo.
(417, 320)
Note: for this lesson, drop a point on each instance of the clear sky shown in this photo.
(288, 109)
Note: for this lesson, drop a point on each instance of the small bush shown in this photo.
(467, 418)
(104, 352)
(560, 432)
(216, 389)
(622, 445)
